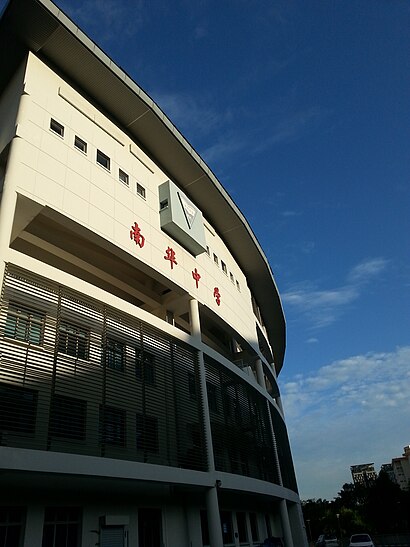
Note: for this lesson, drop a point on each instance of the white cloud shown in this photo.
(323, 307)
(312, 340)
(352, 411)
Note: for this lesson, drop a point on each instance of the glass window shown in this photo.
(224, 268)
(73, 340)
(103, 160)
(254, 526)
(145, 366)
(62, 527)
(204, 528)
(146, 433)
(18, 409)
(238, 286)
(57, 127)
(231, 277)
(216, 259)
(242, 530)
(112, 426)
(11, 526)
(226, 525)
(68, 418)
(141, 191)
(24, 324)
(123, 177)
(208, 251)
(115, 354)
(80, 144)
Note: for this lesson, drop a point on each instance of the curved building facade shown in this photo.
(141, 330)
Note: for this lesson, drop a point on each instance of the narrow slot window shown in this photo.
(141, 191)
(57, 127)
(123, 177)
(216, 260)
(208, 252)
(238, 286)
(163, 205)
(103, 160)
(224, 268)
(231, 277)
(80, 144)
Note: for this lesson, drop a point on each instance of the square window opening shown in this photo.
(103, 160)
(142, 193)
(57, 128)
(123, 177)
(80, 144)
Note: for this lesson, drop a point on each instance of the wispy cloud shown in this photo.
(322, 307)
(359, 407)
(112, 18)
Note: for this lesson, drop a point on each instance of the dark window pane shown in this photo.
(147, 433)
(73, 340)
(24, 324)
(145, 366)
(115, 354)
(68, 418)
(254, 526)
(242, 531)
(18, 409)
(112, 423)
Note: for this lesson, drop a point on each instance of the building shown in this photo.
(401, 469)
(141, 330)
(363, 474)
(387, 469)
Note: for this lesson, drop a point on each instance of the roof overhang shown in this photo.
(41, 27)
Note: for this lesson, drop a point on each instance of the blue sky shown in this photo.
(301, 109)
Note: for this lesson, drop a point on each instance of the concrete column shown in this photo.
(259, 373)
(7, 208)
(33, 534)
(211, 496)
(214, 520)
(284, 516)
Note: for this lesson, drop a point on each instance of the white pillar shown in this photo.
(33, 534)
(212, 505)
(284, 516)
(260, 376)
(214, 520)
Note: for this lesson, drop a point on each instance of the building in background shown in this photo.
(141, 331)
(363, 474)
(401, 469)
(387, 468)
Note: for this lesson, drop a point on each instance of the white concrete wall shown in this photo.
(53, 172)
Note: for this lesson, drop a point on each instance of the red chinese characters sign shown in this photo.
(170, 255)
(136, 235)
(196, 276)
(217, 296)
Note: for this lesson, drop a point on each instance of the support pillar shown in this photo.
(211, 496)
(260, 376)
(214, 520)
(284, 517)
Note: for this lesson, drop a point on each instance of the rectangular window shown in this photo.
(115, 354)
(226, 525)
(112, 426)
(24, 324)
(254, 526)
(11, 526)
(57, 127)
(241, 522)
(231, 277)
(238, 286)
(145, 366)
(216, 260)
(208, 252)
(147, 433)
(141, 191)
(224, 268)
(192, 386)
(80, 144)
(103, 160)
(123, 177)
(68, 418)
(18, 409)
(163, 204)
(212, 397)
(73, 340)
(62, 527)
(204, 528)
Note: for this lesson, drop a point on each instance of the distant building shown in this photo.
(363, 474)
(401, 469)
(387, 468)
